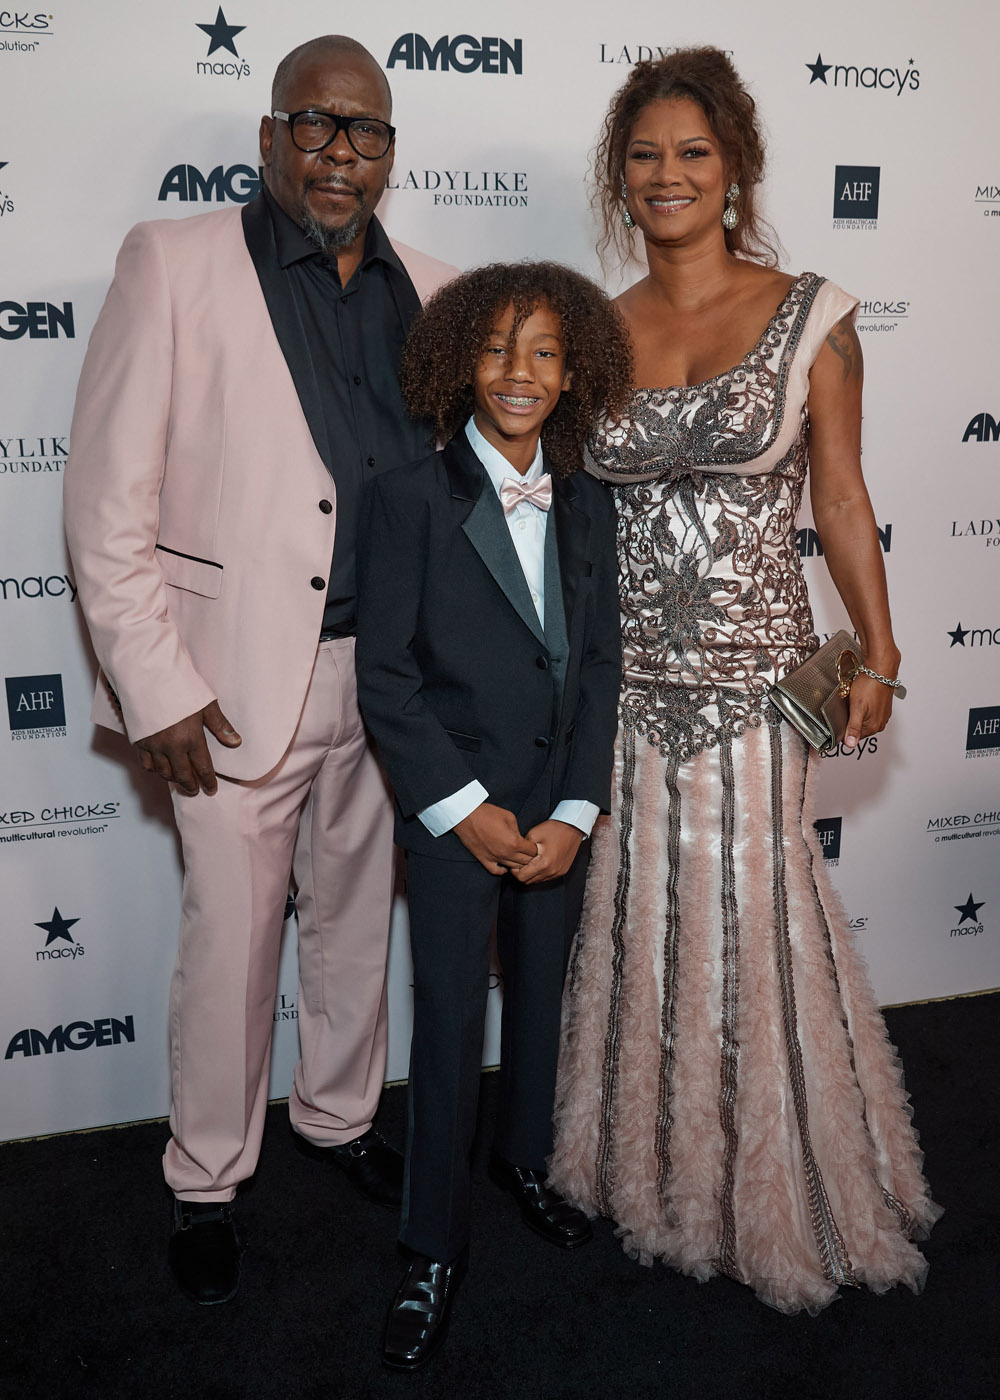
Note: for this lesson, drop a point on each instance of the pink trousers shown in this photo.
(321, 819)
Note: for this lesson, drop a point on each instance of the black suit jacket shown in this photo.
(456, 678)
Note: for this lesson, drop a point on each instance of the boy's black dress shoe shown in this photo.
(418, 1318)
(374, 1167)
(204, 1250)
(549, 1214)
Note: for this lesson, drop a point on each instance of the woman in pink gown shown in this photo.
(727, 1093)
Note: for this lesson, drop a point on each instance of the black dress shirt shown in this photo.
(354, 336)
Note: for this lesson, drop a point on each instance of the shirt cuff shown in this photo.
(576, 812)
(441, 816)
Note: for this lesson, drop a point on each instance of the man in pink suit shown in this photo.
(239, 388)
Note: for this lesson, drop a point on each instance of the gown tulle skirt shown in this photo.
(727, 1093)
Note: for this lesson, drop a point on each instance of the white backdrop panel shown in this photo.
(114, 112)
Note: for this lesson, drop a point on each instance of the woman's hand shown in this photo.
(869, 709)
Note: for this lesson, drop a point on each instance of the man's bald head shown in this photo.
(328, 48)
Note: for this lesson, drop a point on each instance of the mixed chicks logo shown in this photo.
(881, 315)
(965, 826)
(871, 76)
(23, 33)
(221, 35)
(988, 195)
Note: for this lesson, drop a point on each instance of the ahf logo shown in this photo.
(240, 183)
(828, 830)
(35, 706)
(983, 733)
(39, 320)
(855, 196)
(463, 54)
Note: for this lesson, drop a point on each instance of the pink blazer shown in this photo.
(191, 493)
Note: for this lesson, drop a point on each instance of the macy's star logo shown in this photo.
(970, 909)
(222, 34)
(819, 69)
(57, 927)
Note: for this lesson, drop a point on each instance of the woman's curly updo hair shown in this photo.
(706, 76)
(448, 337)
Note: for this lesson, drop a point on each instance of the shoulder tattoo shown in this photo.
(843, 341)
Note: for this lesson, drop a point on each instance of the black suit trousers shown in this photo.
(453, 906)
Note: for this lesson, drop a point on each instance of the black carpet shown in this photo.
(87, 1307)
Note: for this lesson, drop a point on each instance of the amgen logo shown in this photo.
(463, 54)
(240, 183)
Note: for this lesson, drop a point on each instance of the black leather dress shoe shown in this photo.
(548, 1213)
(204, 1250)
(374, 1167)
(418, 1318)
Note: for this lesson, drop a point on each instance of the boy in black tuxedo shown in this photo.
(489, 661)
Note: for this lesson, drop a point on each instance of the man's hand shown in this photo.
(180, 754)
(558, 843)
(491, 834)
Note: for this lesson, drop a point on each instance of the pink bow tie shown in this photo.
(538, 493)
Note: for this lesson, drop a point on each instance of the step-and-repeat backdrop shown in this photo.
(884, 175)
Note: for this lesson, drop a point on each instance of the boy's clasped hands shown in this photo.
(545, 852)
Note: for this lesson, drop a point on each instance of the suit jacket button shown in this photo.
(326, 507)
(318, 583)
(541, 743)
(542, 663)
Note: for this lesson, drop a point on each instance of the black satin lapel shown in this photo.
(258, 232)
(487, 531)
(573, 534)
(466, 473)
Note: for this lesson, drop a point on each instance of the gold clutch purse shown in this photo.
(814, 697)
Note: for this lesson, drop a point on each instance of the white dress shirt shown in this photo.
(527, 525)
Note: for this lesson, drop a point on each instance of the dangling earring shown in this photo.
(627, 218)
(731, 215)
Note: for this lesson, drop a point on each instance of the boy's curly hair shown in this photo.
(447, 340)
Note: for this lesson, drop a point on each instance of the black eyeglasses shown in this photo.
(314, 131)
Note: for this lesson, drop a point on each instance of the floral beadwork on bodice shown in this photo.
(714, 603)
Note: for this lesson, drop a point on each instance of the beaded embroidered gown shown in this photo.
(727, 1093)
